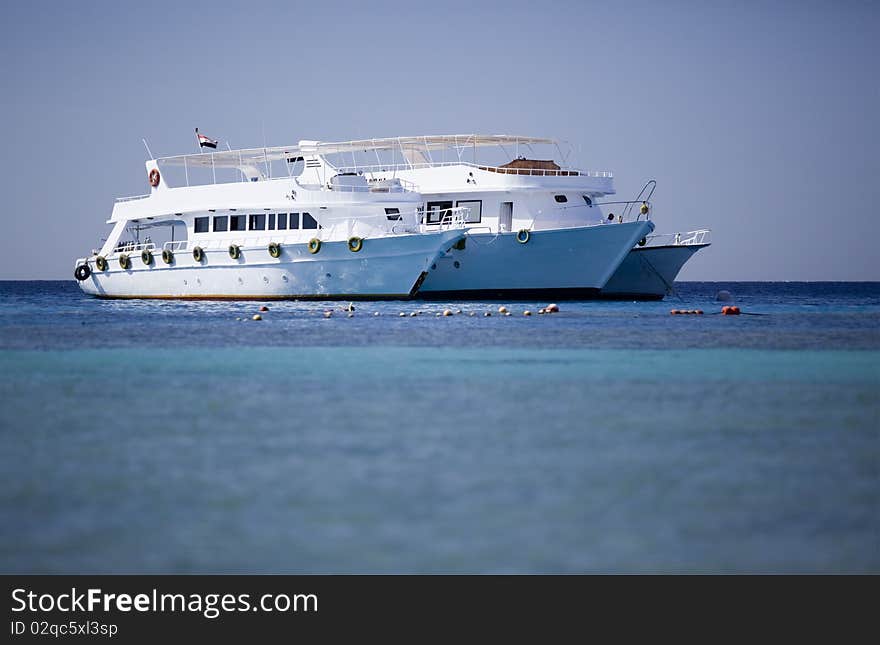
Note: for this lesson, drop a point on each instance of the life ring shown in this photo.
(82, 272)
(314, 245)
(355, 244)
(198, 254)
(101, 263)
(124, 262)
(275, 250)
(146, 257)
(167, 256)
(523, 236)
(234, 251)
(643, 241)
(154, 178)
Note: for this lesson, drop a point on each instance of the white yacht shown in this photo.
(650, 269)
(535, 228)
(265, 223)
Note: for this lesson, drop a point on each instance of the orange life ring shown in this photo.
(154, 178)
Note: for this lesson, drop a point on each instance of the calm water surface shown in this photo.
(182, 437)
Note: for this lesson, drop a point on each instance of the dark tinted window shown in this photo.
(201, 225)
(237, 222)
(294, 221)
(309, 221)
(560, 198)
(271, 222)
(282, 221)
(258, 222)
(221, 223)
(588, 200)
(392, 213)
(437, 210)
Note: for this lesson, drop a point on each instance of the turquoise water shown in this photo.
(172, 437)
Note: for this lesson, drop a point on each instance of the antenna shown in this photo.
(148, 149)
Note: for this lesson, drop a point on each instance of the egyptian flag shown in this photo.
(205, 142)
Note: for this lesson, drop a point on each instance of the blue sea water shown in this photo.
(149, 436)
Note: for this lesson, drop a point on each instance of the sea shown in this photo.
(185, 437)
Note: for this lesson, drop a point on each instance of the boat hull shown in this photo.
(385, 268)
(648, 273)
(568, 263)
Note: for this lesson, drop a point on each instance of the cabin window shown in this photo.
(257, 222)
(392, 213)
(237, 222)
(561, 199)
(475, 207)
(436, 211)
(294, 221)
(271, 226)
(221, 223)
(588, 201)
(309, 221)
(201, 225)
(282, 221)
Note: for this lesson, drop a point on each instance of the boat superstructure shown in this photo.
(266, 223)
(535, 228)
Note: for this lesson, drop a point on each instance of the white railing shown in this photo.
(689, 238)
(131, 198)
(132, 247)
(539, 172)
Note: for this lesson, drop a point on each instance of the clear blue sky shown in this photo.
(759, 120)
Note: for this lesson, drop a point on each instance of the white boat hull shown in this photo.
(558, 263)
(648, 273)
(389, 267)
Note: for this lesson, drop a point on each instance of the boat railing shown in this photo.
(133, 247)
(376, 186)
(131, 198)
(449, 217)
(535, 172)
(688, 238)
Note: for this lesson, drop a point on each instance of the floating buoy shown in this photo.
(328, 313)
(413, 314)
(376, 313)
(506, 313)
(257, 317)
(552, 309)
(264, 308)
(458, 311)
(402, 314)
(487, 314)
(699, 312)
(351, 315)
(730, 311)
(472, 313)
(527, 313)
(502, 310)
(542, 311)
(447, 312)
(350, 307)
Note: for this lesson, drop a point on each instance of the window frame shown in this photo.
(202, 221)
(429, 210)
(472, 201)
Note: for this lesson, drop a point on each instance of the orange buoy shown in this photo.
(699, 312)
(730, 310)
